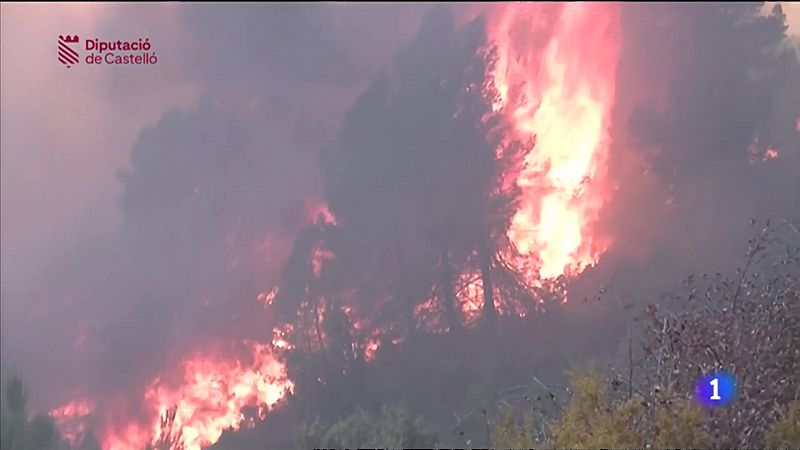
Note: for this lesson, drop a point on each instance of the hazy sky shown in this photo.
(66, 131)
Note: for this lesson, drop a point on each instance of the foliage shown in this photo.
(748, 324)
(785, 433)
(20, 431)
(393, 428)
(593, 419)
(509, 433)
(590, 422)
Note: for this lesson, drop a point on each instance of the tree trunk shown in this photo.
(485, 259)
(411, 323)
(448, 296)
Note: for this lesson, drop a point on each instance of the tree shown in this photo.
(748, 323)
(18, 430)
(785, 433)
(414, 169)
(392, 428)
(594, 418)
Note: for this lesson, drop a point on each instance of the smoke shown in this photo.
(704, 91)
(217, 182)
(209, 202)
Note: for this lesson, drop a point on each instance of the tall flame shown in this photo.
(555, 79)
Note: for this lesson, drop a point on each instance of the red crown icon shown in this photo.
(66, 55)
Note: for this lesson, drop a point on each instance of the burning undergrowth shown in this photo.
(483, 178)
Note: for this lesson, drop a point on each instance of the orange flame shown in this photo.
(470, 296)
(758, 152)
(316, 210)
(70, 419)
(208, 399)
(771, 153)
(214, 392)
(266, 298)
(76, 408)
(318, 257)
(555, 78)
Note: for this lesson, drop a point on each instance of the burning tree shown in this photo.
(440, 184)
(413, 173)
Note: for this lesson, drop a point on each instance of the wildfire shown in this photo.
(207, 399)
(771, 153)
(318, 257)
(759, 152)
(470, 296)
(267, 298)
(70, 418)
(316, 210)
(80, 407)
(214, 392)
(555, 79)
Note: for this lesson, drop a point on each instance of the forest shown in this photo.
(466, 281)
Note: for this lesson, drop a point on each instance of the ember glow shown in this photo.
(316, 210)
(76, 408)
(771, 153)
(759, 152)
(555, 79)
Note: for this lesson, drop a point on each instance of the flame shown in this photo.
(470, 296)
(555, 81)
(555, 78)
(758, 152)
(317, 210)
(371, 348)
(771, 153)
(213, 393)
(208, 399)
(79, 407)
(266, 298)
(318, 257)
(280, 337)
(70, 418)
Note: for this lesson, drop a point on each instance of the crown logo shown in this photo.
(66, 55)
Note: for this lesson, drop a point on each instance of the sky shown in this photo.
(65, 132)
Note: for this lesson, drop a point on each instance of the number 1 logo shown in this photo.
(715, 385)
(717, 389)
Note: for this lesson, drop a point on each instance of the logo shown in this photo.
(66, 54)
(98, 52)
